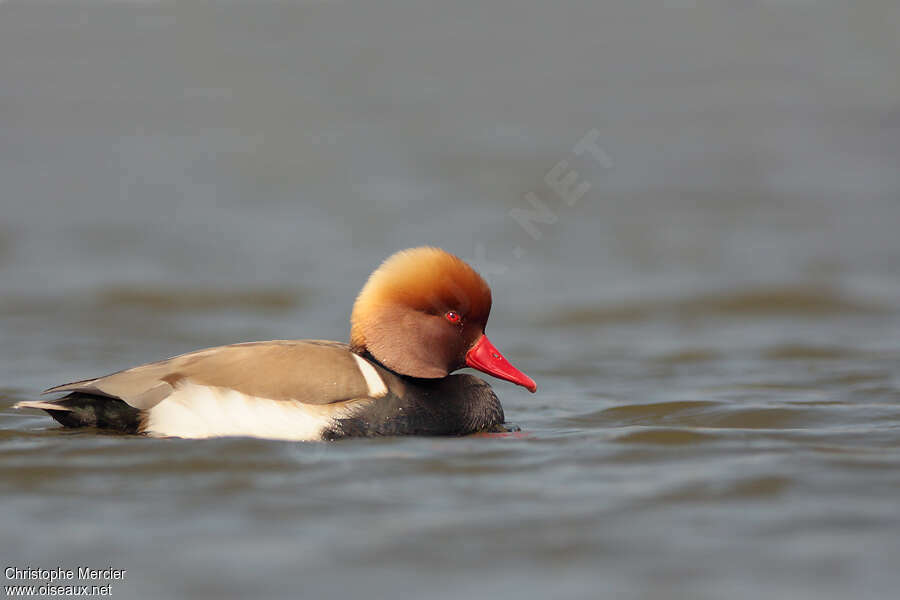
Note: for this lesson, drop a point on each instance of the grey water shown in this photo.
(712, 319)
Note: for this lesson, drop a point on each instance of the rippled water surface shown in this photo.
(714, 326)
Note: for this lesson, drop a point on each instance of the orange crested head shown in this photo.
(422, 313)
(427, 279)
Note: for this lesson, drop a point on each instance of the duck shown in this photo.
(420, 316)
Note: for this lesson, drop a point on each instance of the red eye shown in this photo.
(452, 316)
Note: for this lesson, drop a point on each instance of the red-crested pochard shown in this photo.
(419, 317)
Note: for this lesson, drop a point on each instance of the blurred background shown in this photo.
(714, 324)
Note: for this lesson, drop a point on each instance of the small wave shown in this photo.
(743, 489)
(760, 302)
(706, 414)
(643, 414)
(805, 352)
(176, 299)
(687, 356)
(155, 299)
(669, 437)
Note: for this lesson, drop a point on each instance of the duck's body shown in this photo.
(282, 389)
(393, 379)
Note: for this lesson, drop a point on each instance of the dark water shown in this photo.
(714, 325)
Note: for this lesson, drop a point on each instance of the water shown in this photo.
(713, 326)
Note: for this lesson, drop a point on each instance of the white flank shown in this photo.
(377, 389)
(199, 411)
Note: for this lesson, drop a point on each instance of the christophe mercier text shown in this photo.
(60, 574)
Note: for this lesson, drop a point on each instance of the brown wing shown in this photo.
(307, 371)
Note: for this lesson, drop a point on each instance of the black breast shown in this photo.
(454, 405)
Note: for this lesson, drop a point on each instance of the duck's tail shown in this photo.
(89, 410)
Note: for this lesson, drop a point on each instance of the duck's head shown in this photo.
(422, 313)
